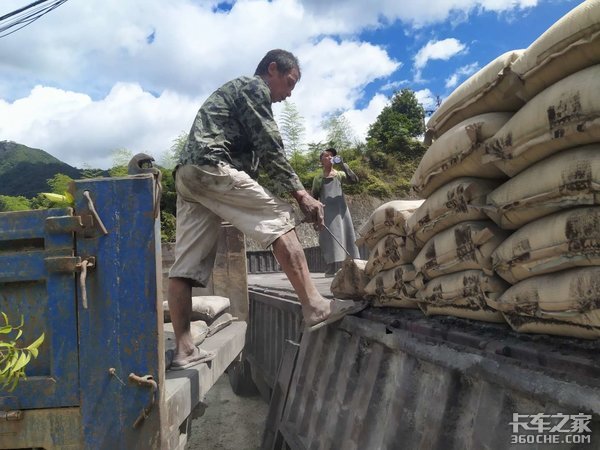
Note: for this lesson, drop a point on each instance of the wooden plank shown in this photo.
(50, 429)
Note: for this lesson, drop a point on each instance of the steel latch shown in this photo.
(11, 416)
(73, 264)
(69, 263)
(69, 224)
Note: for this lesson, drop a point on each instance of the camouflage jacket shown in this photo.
(236, 125)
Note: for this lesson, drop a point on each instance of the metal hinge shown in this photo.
(11, 416)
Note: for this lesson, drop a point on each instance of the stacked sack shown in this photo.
(550, 149)
(452, 229)
(388, 271)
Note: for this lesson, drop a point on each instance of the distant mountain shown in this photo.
(25, 171)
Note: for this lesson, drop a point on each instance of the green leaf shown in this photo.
(20, 332)
(36, 343)
(5, 318)
(21, 362)
(6, 329)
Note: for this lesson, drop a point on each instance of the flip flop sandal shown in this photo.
(205, 356)
(339, 309)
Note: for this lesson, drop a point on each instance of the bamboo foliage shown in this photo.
(13, 358)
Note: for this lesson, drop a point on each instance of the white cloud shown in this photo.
(461, 72)
(361, 119)
(97, 75)
(444, 50)
(82, 132)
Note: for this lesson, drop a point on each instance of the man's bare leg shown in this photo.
(290, 255)
(180, 309)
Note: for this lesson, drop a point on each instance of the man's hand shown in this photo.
(311, 208)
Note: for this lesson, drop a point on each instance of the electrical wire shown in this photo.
(22, 17)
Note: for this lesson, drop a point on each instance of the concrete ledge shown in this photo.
(185, 389)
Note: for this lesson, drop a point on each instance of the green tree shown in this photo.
(398, 126)
(339, 132)
(171, 156)
(19, 203)
(59, 183)
(120, 158)
(292, 128)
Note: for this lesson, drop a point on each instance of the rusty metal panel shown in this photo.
(370, 384)
(120, 331)
(273, 320)
(46, 300)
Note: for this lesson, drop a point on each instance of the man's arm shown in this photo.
(350, 175)
(311, 208)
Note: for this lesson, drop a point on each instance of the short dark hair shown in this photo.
(285, 61)
(331, 150)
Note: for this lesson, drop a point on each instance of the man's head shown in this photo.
(281, 71)
(326, 156)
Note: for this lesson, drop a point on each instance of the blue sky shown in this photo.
(94, 76)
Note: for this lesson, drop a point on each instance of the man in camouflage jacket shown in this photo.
(233, 137)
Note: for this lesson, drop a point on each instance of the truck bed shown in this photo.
(400, 379)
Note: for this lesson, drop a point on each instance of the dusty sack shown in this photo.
(488, 90)
(556, 242)
(389, 218)
(457, 201)
(349, 282)
(205, 307)
(568, 179)
(467, 245)
(570, 45)
(463, 294)
(396, 283)
(565, 115)
(564, 303)
(389, 252)
(457, 153)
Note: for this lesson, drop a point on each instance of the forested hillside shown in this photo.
(25, 171)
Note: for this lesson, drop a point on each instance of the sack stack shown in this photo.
(551, 150)
(389, 269)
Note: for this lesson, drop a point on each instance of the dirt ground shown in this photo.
(230, 422)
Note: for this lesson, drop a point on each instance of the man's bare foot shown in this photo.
(337, 310)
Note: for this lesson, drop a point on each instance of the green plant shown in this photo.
(13, 359)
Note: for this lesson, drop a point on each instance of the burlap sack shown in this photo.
(389, 218)
(387, 302)
(458, 201)
(570, 178)
(349, 282)
(556, 242)
(565, 115)
(463, 294)
(570, 45)
(394, 283)
(565, 303)
(488, 90)
(390, 251)
(467, 245)
(205, 307)
(457, 153)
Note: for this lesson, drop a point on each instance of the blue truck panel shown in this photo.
(46, 298)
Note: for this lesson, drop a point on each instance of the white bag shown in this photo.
(457, 153)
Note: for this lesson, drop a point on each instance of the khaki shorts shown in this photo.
(207, 195)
